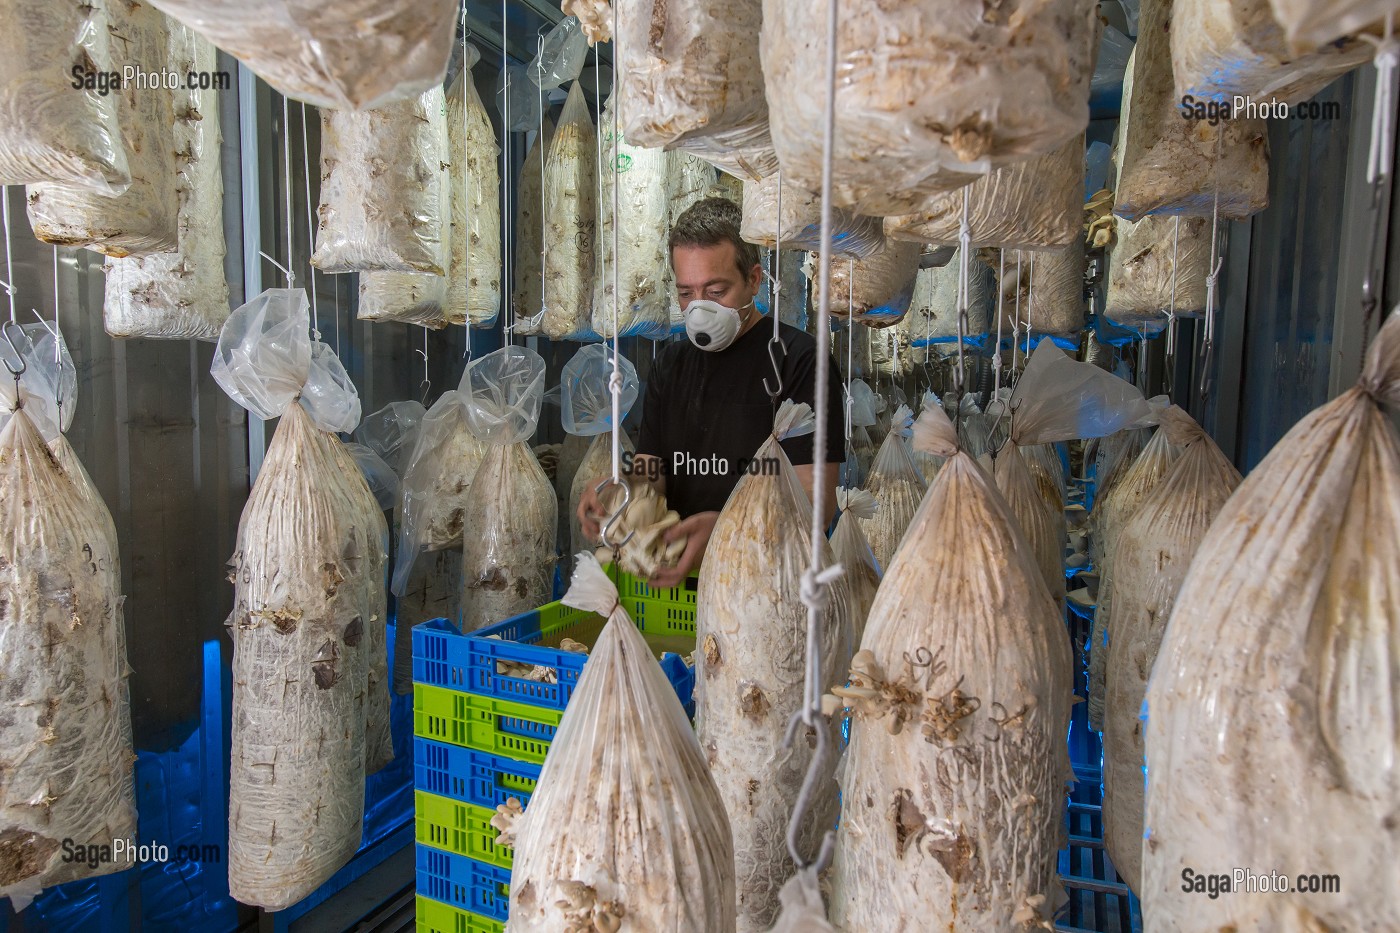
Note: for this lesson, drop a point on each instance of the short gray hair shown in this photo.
(710, 222)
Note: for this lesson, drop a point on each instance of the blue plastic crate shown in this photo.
(443, 657)
(463, 883)
(471, 776)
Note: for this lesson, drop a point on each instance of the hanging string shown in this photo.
(602, 259)
(336, 280)
(615, 380)
(1169, 358)
(508, 317)
(1379, 164)
(1030, 306)
(310, 224)
(964, 252)
(9, 260)
(816, 579)
(1208, 336)
(57, 341)
(996, 358)
(535, 315)
(1016, 324)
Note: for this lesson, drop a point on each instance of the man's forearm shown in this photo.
(832, 471)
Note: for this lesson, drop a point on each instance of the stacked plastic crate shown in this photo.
(485, 709)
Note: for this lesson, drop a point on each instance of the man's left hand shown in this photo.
(697, 529)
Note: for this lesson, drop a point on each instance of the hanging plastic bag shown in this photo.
(74, 138)
(1224, 48)
(392, 432)
(930, 96)
(570, 223)
(1158, 263)
(851, 549)
(521, 108)
(181, 295)
(561, 56)
(1278, 676)
(1042, 289)
(383, 482)
(358, 55)
(509, 522)
(1312, 24)
(1059, 398)
(933, 309)
(927, 687)
(474, 249)
(384, 188)
(1112, 63)
(143, 218)
(642, 261)
(875, 290)
(1041, 521)
(851, 234)
(650, 846)
(896, 487)
(1154, 551)
(587, 412)
(528, 297)
(1030, 204)
(403, 298)
(44, 382)
(752, 630)
(1167, 164)
(803, 910)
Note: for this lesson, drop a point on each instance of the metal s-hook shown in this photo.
(20, 364)
(807, 795)
(616, 516)
(776, 348)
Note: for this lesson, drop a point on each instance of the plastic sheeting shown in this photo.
(1168, 164)
(54, 132)
(570, 223)
(930, 95)
(801, 221)
(1156, 264)
(1031, 204)
(354, 55)
(144, 217)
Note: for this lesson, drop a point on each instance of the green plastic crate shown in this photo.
(437, 917)
(487, 724)
(459, 827)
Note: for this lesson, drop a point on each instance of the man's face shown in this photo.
(712, 273)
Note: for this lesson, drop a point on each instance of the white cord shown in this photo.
(310, 224)
(615, 381)
(9, 260)
(996, 358)
(287, 165)
(964, 251)
(1387, 62)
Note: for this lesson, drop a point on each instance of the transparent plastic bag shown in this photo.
(403, 298)
(744, 154)
(897, 488)
(1167, 164)
(803, 910)
(875, 290)
(385, 188)
(561, 55)
(692, 73)
(1042, 289)
(587, 401)
(392, 432)
(265, 360)
(355, 55)
(523, 100)
(570, 223)
(1041, 521)
(383, 482)
(55, 132)
(1031, 204)
(931, 95)
(1058, 398)
(181, 295)
(1114, 50)
(1157, 263)
(45, 382)
(649, 839)
(503, 392)
(851, 549)
(1223, 48)
(143, 218)
(528, 297)
(933, 310)
(1313, 24)
(861, 404)
(643, 261)
(474, 248)
(851, 234)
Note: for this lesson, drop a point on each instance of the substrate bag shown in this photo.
(750, 662)
(403, 298)
(474, 243)
(181, 295)
(528, 296)
(1314, 23)
(1157, 263)
(384, 188)
(74, 137)
(896, 487)
(1154, 551)
(1223, 48)
(648, 844)
(143, 218)
(437, 485)
(570, 223)
(1167, 164)
(1270, 710)
(307, 565)
(509, 521)
(345, 56)
(933, 310)
(1042, 523)
(852, 550)
(916, 117)
(953, 784)
(1042, 288)
(801, 221)
(875, 290)
(66, 750)
(1029, 204)
(642, 259)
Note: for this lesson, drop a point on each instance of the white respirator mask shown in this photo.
(711, 326)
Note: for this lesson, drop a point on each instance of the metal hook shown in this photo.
(807, 795)
(6, 329)
(617, 515)
(773, 355)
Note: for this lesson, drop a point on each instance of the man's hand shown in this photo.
(590, 510)
(697, 528)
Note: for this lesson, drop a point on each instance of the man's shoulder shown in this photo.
(797, 342)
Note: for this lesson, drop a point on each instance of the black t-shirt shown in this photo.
(704, 411)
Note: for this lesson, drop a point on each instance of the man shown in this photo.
(705, 398)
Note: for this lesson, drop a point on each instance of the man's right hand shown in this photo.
(590, 510)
